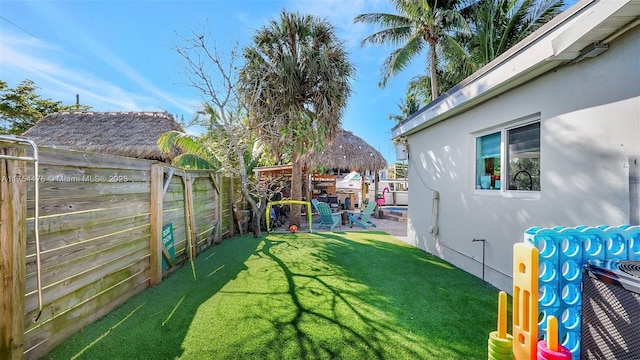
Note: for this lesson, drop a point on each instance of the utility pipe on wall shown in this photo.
(484, 242)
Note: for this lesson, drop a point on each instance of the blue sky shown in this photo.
(117, 55)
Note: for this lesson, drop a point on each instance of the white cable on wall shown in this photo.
(435, 202)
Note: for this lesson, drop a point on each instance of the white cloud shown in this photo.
(26, 57)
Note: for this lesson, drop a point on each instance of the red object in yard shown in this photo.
(293, 228)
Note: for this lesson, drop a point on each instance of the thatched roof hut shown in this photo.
(347, 151)
(131, 134)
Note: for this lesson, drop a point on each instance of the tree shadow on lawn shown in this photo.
(361, 296)
(153, 324)
(448, 311)
(303, 296)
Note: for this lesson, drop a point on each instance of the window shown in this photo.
(488, 162)
(521, 159)
(524, 157)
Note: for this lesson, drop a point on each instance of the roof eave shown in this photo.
(469, 97)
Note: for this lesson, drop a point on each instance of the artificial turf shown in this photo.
(359, 295)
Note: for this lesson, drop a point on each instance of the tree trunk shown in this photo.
(255, 208)
(296, 190)
(433, 69)
(257, 217)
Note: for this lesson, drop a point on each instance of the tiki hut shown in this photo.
(347, 151)
(350, 152)
(131, 134)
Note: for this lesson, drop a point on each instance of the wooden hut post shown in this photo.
(376, 188)
(13, 240)
(155, 241)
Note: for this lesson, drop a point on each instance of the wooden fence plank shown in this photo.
(61, 256)
(155, 244)
(62, 206)
(64, 222)
(74, 174)
(52, 189)
(13, 196)
(67, 241)
(84, 159)
(44, 338)
(73, 281)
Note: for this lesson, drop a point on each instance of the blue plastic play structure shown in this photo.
(562, 254)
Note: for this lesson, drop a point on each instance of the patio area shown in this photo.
(391, 227)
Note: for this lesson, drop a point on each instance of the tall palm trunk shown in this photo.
(433, 69)
(296, 190)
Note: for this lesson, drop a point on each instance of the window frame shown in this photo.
(503, 129)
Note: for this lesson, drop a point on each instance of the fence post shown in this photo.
(232, 222)
(191, 216)
(219, 207)
(13, 240)
(155, 241)
(215, 200)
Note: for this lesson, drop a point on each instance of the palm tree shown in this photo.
(500, 24)
(296, 82)
(496, 25)
(409, 105)
(418, 24)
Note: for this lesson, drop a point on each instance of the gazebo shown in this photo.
(131, 134)
(347, 151)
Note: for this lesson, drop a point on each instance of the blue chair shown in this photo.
(327, 218)
(315, 202)
(362, 218)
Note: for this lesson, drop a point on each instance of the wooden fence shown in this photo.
(102, 222)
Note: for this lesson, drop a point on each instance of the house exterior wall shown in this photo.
(589, 116)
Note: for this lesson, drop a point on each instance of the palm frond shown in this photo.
(399, 59)
(394, 36)
(192, 161)
(383, 20)
(191, 146)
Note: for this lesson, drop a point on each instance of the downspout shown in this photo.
(36, 219)
(634, 190)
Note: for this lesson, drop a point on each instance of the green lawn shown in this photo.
(305, 296)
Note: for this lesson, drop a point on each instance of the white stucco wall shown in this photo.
(590, 129)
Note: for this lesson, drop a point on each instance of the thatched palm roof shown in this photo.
(131, 134)
(347, 151)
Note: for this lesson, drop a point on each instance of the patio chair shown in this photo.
(327, 218)
(315, 202)
(362, 218)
